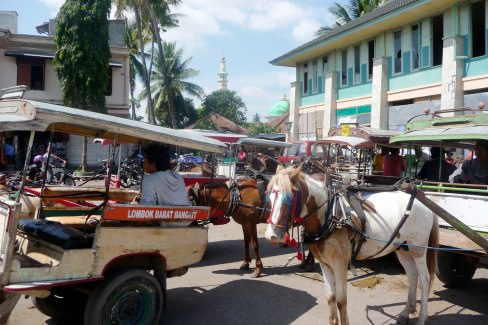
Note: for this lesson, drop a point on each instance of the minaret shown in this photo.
(222, 75)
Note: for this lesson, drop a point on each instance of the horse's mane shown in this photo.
(282, 180)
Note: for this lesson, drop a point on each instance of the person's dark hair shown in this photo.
(394, 151)
(159, 154)
(436, 152)
(482, 143)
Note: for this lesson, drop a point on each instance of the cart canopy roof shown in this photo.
(357, 136)
(27, 115)
(226, 137)
(456, 131)
(262, 143)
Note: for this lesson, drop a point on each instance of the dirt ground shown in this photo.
(215, 291)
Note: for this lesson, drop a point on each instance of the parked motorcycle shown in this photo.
(130, 173)
(57, 174)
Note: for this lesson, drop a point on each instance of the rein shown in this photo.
(406, 214)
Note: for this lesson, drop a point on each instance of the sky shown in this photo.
(249, 33)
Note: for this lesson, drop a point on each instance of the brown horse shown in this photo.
(243, 202)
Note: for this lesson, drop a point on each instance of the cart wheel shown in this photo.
(454, 270)
(127, 297)
(62, 303)
(69, 181)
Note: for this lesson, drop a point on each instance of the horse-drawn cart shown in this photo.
(351, 149)
(462, 207)
(108, 263)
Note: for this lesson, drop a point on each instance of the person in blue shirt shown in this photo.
(161, 185)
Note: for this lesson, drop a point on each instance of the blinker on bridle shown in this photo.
(293, 208)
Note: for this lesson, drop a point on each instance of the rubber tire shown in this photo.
(62, 303)
(118, 299)
(453, 269)
(69, 181)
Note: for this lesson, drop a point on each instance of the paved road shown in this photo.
(216, 292)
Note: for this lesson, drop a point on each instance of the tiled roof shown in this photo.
(279, 122)
(223, 124)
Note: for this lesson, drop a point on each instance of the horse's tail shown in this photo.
(432, 253)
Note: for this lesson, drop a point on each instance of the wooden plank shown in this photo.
(456, 239)
(88, 193)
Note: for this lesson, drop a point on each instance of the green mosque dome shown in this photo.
(280, 108)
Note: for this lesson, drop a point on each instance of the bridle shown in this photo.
(294, 208)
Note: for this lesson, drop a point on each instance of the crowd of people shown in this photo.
(441, 166)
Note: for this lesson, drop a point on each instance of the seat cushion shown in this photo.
(56, 233)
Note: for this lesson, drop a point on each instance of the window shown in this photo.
(371, 48)
(305, 79)
(108, 91)
(397, 51)
(344, 68)
(415, 46)
(437, 42)
(325, 60)
(478, 28)
(315, 76)
(30, 72)
(357, 64)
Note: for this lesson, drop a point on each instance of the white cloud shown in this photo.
(252, 91)
(284, 78)
(53, 3)
(273, 15)
(304, 31)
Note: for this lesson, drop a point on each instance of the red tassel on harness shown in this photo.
(299, 256)
(286, 238)
(293, 243)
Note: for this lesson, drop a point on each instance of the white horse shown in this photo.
(296, 197)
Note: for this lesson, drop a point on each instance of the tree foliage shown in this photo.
(82, 53)
(262, 128)
(186, 113)
(204, 124)
(227, 104)
(345, 13)
(176, 71)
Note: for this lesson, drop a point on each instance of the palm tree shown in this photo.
(135, 66)
(347, 13)
(171, 69)
(152, 17)
(164, 6)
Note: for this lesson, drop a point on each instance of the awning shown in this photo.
(45, 55)
(460, 137)
(353, 142)
(262, 143)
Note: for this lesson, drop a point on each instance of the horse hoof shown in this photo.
(308, 267)
(402, 320)
(244, 266)
(255, 274)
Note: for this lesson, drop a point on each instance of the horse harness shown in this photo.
(234, 193)
(345, 209)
